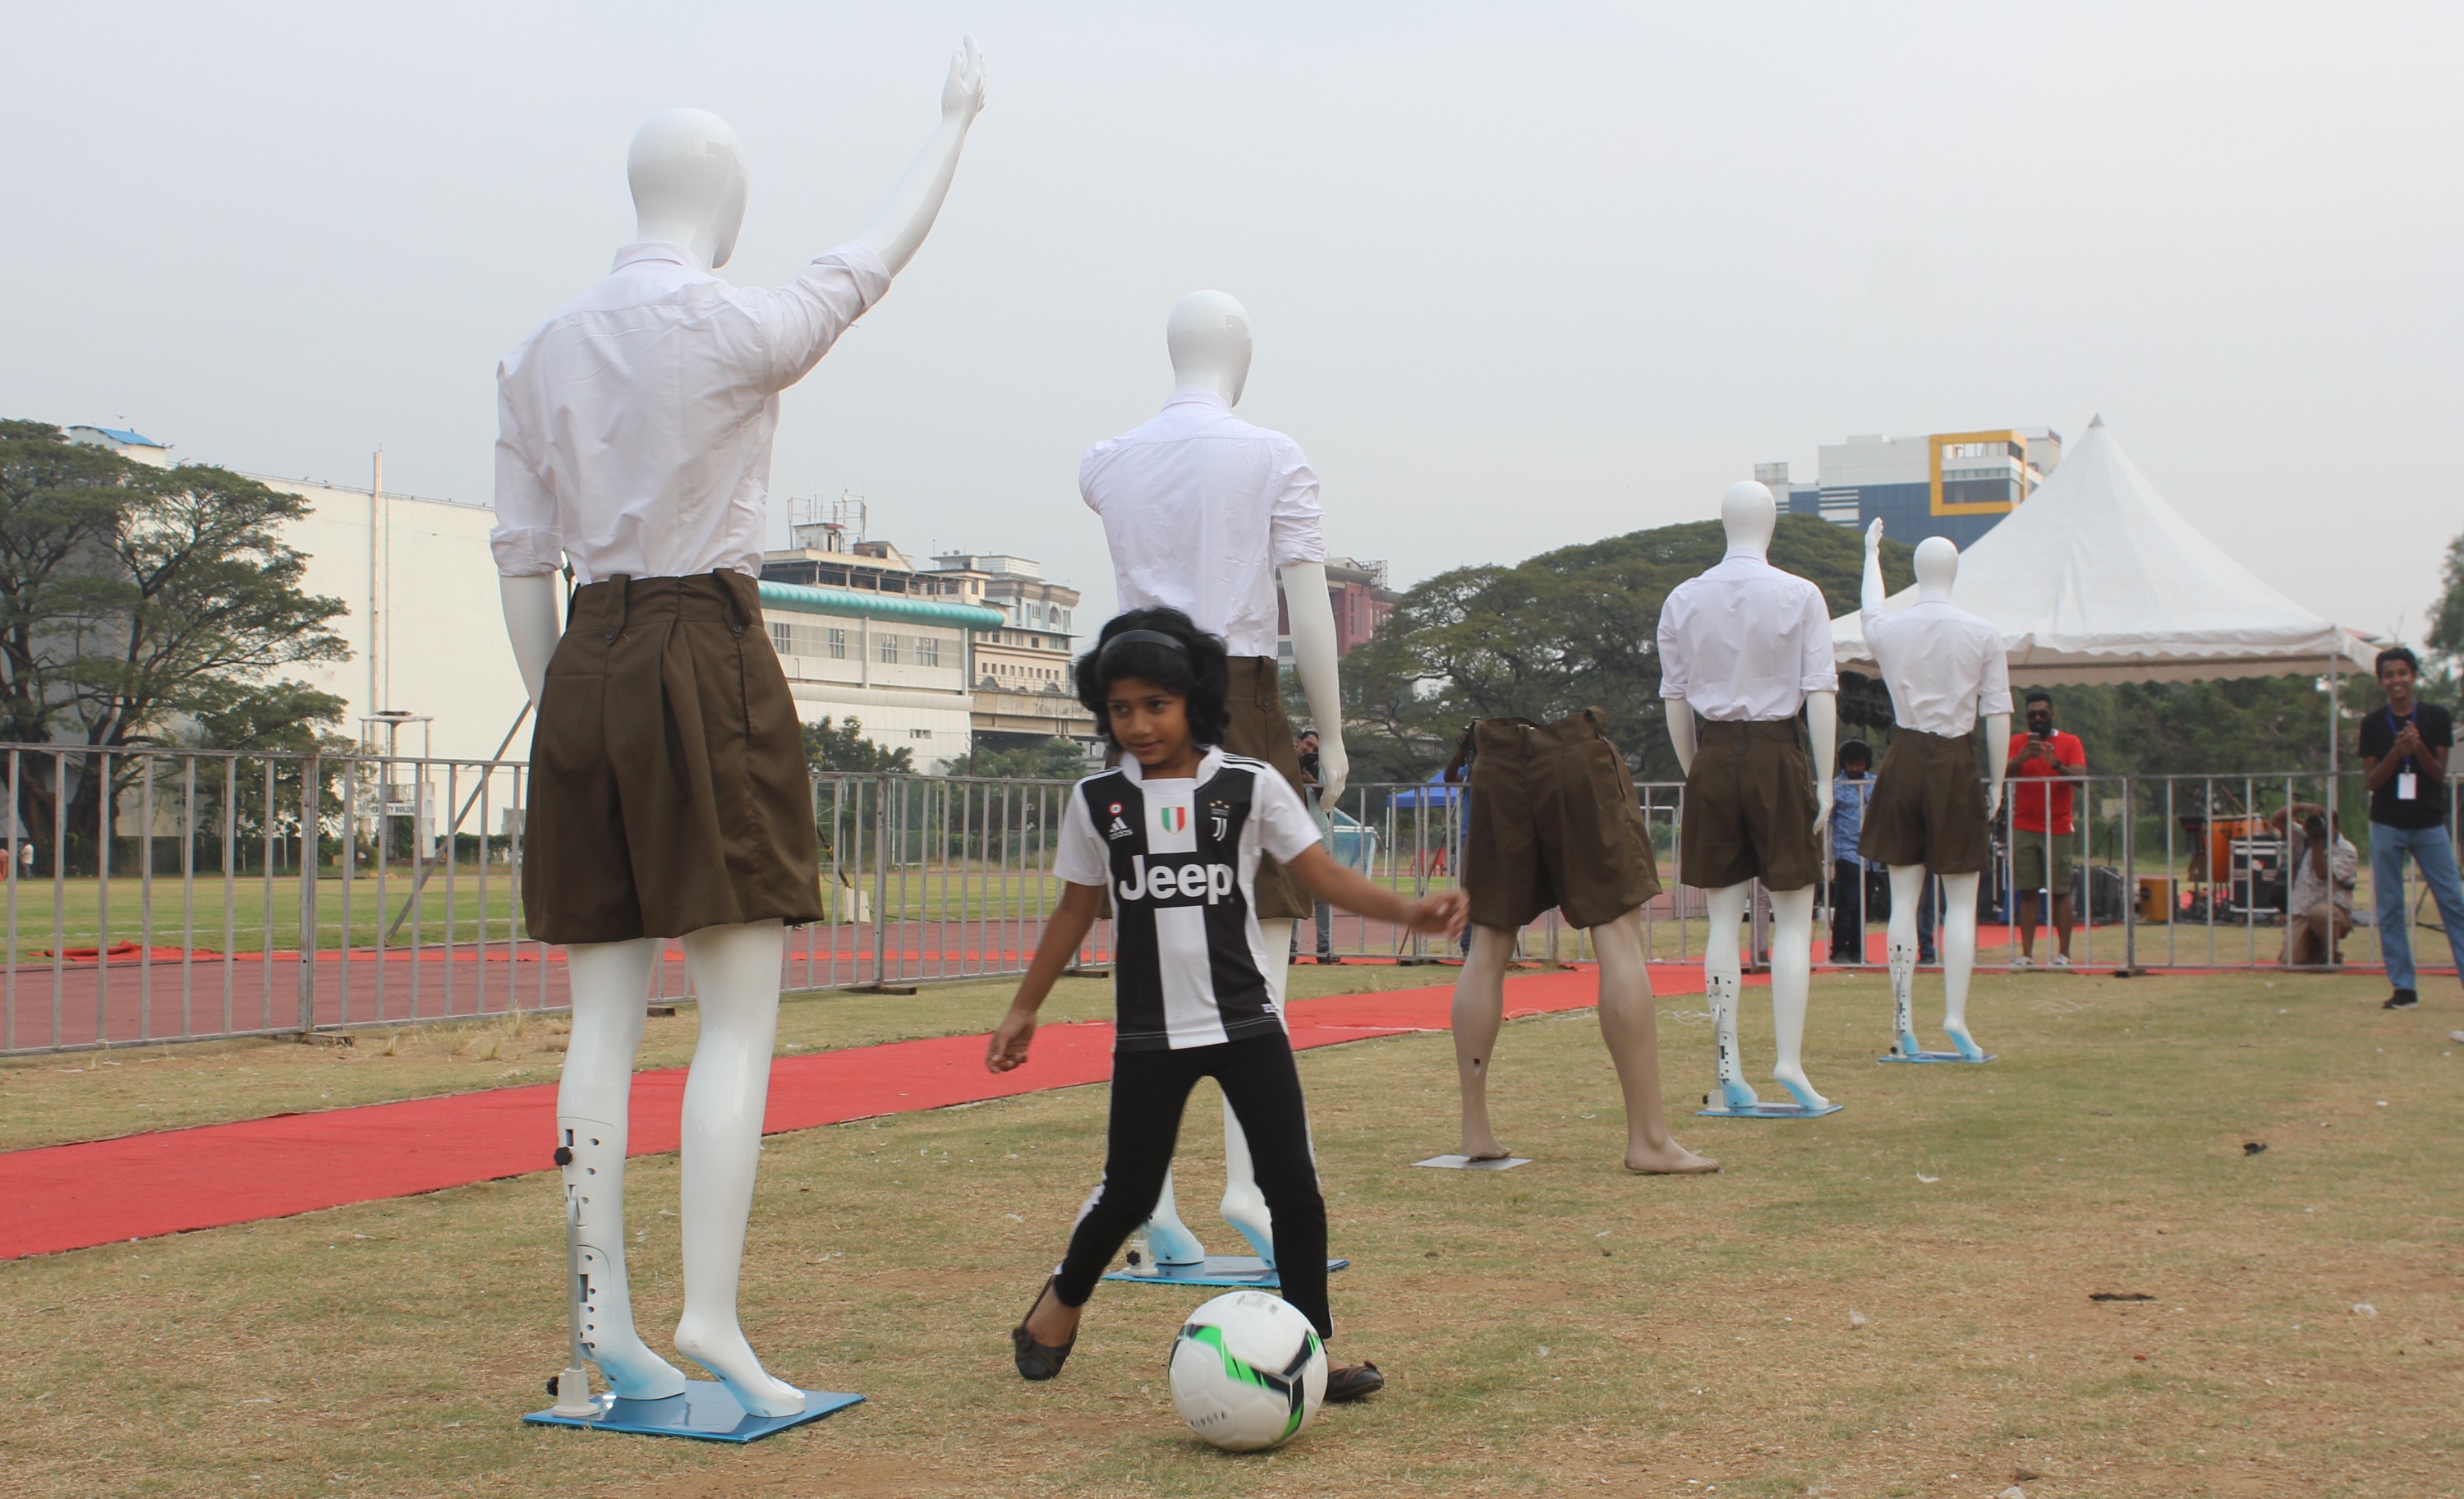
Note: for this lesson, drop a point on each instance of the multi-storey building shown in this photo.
(1361, 601)
(1022, 671)
(1950, 484)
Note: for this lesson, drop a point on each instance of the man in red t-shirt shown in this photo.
(2041, 823)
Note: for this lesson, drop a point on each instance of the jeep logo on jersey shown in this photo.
(1175, 880)
(1173, 819)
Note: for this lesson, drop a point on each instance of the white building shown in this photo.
(896, 663)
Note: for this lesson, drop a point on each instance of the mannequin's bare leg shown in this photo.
(611, 986)
(1722, 978)
(1792, 978)
(1907, 888)
(1479, 1010)
(1958, 960)
(1244, 1206)
(1629, 1026)
(734, 972)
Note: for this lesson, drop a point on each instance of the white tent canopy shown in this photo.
(2097, 577)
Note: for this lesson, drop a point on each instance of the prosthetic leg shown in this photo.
(1792, 978)
(735, 976)
(1958, 940)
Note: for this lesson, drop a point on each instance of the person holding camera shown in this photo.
(2045, 771)
(2319, 896)
(2404, 763)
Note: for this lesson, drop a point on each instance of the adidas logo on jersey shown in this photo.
(1177, 884)
(1119, 830)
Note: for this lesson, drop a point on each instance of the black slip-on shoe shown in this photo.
(1037, 1361)
(2402, 1000)
(1348, 1382)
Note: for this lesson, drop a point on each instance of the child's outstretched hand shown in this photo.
(1439, 916)
(1010, 1039)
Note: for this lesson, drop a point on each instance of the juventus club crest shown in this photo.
(1221, 813)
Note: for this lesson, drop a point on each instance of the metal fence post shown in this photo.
(307, 843)
(2130, 874)
(881, 880)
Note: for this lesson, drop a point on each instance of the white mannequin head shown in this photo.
(1748, 513)
(1937, 566)
(687, 169)
(1208, 338)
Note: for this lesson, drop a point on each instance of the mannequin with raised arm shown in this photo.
(660, 335)
(1205, 513)
(1744, 649)
(1945, 667)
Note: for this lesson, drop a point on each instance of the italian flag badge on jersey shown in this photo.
(1175, 819)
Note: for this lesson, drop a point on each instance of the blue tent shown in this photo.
(1434, 792)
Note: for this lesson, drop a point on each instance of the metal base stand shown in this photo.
(1766, 1111)
(1467, 1163)
(704, 1412)
(1939, 1056)
(1238, 1272)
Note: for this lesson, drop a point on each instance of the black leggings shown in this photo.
(1149, 1089)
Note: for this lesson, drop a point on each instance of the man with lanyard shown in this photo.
(2404, 759)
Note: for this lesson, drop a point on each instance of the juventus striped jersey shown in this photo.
(1180, 860)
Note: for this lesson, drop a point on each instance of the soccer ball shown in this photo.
(1247, 1372)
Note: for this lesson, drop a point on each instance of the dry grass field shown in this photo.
(1896, 1300)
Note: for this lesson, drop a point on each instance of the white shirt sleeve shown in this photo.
(1286, 830)
(526, 541)
(1298, 521)
(1820, 672)
(1995, 695)
(1672, 647)
(1081, 859)
(802, 319)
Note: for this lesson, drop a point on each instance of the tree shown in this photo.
(2445, 636)
(1544, 638)
(844, 748)
(1053, 759)
(143, 606)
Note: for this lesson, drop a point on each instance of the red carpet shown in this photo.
(73, 1197)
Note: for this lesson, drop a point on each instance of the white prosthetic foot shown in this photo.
(1168, 1236)
(1792, 1076)
(1723, 991)
(591, 1156)
(1244, 1206)
(723, 1351)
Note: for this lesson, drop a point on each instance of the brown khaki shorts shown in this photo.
(1259, 729)
(669, 788)
(1750, 805)
(1554, 821)
(1928, 806)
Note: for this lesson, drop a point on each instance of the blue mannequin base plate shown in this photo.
(704, 1412)
(1467, 1163)
(1238, 1272)
(1768, 1110)
(1939, 1056)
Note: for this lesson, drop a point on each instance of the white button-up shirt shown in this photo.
(1745, 641)
(1199, 509)
(1943, 664)
(633, 427)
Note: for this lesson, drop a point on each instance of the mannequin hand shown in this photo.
(1333, 770)
(1438, 915)
(1873, 533)
(1821, 810)
(963, 93)
(1993, 801)
(1007, 1046)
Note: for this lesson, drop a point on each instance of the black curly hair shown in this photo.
(1185, 661)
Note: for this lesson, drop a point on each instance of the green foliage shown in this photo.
(1052, 760)
(2446, 635)
(1547, 637)
(2241, 726)
(843, 746)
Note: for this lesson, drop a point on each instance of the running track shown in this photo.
(73, 1197)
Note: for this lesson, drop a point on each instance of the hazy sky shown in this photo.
(1520, 274)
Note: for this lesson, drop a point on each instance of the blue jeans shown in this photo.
(2436, 856)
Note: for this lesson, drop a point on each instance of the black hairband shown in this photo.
(1143, 637)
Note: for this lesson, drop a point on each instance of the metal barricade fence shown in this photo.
(159, 894)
